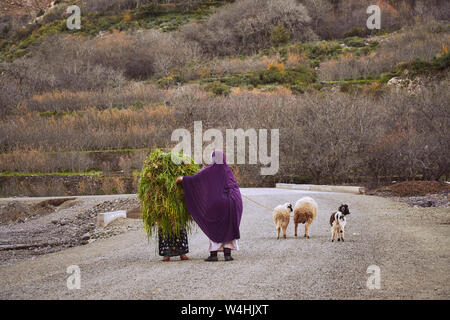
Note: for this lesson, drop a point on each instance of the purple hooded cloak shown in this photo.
(214, 201)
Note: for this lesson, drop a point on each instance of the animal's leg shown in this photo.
(342, 235)
(306, 229)
(284, 231)
(333, 233)
(278, 231)
(296, 228)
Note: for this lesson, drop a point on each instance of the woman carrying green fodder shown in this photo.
(163, 208)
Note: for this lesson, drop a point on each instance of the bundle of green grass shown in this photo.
(162, 199)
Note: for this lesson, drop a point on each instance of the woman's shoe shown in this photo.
(184, 257)
(227, 254)
(229, 258)
(165, 259)
(212, 256)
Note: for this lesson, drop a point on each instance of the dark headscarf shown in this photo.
(214, 201)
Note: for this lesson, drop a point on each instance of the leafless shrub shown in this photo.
(334, 19)
(245, 26)
(414, 140)
(58, 63)
(169, 52)
(331, 137)
(61, 63)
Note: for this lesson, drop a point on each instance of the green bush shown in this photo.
(279, 35)
(170, 80)
(441, 62)
(273, 75)
(320, 50)
(419, 66)
(219, 88)
(314, 63)
(296, 88)
(356, 32)
(354, 42)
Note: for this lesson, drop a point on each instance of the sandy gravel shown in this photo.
(410, 245)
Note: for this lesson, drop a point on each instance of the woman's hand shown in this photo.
(179, 179)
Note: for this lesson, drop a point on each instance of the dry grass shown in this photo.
(92, 129)
(135, 94)
(113, 185)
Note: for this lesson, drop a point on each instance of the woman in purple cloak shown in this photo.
(214, 201)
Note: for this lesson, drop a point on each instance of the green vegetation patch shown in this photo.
(21, 174)
(315, 52)
(219, 88)
(354, 42)
(161, 197)
(418, 66)
(11, 50)
(298, 76)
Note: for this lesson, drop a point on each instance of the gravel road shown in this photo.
(410, 245)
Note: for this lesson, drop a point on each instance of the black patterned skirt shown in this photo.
(174, 246)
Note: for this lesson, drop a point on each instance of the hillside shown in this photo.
(27, 7)
(352, 105)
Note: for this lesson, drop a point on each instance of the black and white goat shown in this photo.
(338, 222)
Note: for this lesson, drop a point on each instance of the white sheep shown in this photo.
(281, 217)
(305, 211)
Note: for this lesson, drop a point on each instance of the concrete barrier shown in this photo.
(103, 219)
(321, 188)
(135, 213)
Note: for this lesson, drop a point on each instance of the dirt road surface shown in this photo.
(411, 246)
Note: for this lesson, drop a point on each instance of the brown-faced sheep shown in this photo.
(305, 211)
(281, 217)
